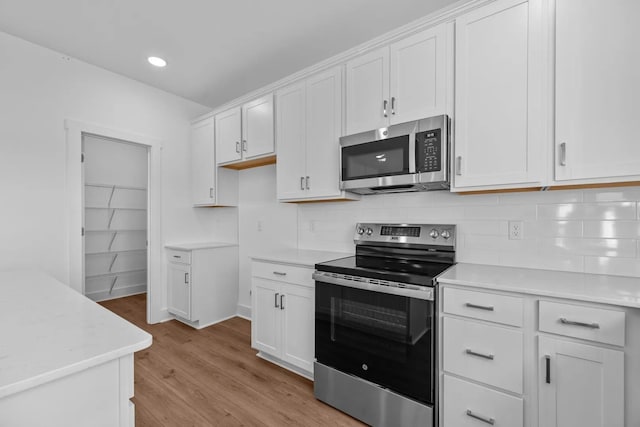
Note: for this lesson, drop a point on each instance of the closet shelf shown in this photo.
(115, 230)
(121, 209)
(116, 252)
(117, 187)
(116, 273)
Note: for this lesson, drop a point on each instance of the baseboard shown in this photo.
(117, 293)
(244, 311)
(303, 373)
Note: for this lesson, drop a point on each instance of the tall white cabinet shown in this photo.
(597, 90)
(407, 80)
(210, 185)
(498, 118)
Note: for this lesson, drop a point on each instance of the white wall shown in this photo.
(39, 89)
(264, 224)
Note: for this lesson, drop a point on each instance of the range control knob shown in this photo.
(445, 234)
(369, 232)
(434, 233)
(360, 230)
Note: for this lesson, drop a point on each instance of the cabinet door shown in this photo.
(368, 91)
(257, 128)
(203, 163)
(497, 120)
(419, 74)
(290, 126)
(298, 331)
(580, 385)
(597, 89)
(228, 138)
(324, 127)
(179, 298)
(265, 324)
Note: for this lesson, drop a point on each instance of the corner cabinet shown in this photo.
(210, 186)
(202, 281)
(283, 306)
(308, 128)
(405, 81)
(246, 132)
(498, 120)
(596, 91)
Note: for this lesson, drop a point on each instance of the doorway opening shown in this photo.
(115, 180)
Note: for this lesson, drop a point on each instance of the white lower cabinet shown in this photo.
(282, 327)
(202, 283)
(467, 404)
(580, 385)
(566, 364)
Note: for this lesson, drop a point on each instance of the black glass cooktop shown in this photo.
(404, 271)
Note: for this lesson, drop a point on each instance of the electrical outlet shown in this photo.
(516, 230)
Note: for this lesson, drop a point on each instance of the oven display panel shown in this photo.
(400, 231)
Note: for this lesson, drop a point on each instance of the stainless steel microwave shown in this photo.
(411, 156)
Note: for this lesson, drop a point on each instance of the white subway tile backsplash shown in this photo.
(506, 212)
(588, 211)
(615, 266)
(612, 194)
(612, 229)
(530, 197)
(594, 230)
(546, 228)
(589, 247)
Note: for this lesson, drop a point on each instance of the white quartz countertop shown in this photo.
(616, 290)
(302, 257)
(48, 331)
(189, 246)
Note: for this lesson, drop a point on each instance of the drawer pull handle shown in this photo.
(177, 256)
(482, 418)
(475, 353)
(547, 377)
(480, 307)
(566, 321)
(279, 273)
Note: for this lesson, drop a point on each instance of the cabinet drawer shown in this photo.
(182, 257)
(471, 405)
(485, 306)
(588, 323)
(489, 354)
(282, 273)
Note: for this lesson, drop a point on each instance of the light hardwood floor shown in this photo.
(212, 377)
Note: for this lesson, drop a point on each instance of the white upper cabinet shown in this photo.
(229, 135)
(246, 132)
(498, 121)
(597, 90)
(210, 185)
(309, 124)
(401, 82)
(203, 162)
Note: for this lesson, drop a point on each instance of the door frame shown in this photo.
(156, 297)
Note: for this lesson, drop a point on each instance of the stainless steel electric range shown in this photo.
(375, 332)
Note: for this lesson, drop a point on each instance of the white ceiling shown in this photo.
(217, 50)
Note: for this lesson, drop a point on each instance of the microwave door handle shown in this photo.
(412, 153)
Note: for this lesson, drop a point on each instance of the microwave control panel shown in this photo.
(429, 151)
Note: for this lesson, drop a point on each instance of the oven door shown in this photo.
(387, 339)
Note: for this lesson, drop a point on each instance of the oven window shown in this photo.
(379, 158)
(386, 339)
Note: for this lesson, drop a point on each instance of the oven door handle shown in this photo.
(423, 294)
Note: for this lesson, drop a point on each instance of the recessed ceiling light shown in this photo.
(158, 62)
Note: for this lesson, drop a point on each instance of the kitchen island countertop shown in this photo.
(49, 331)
